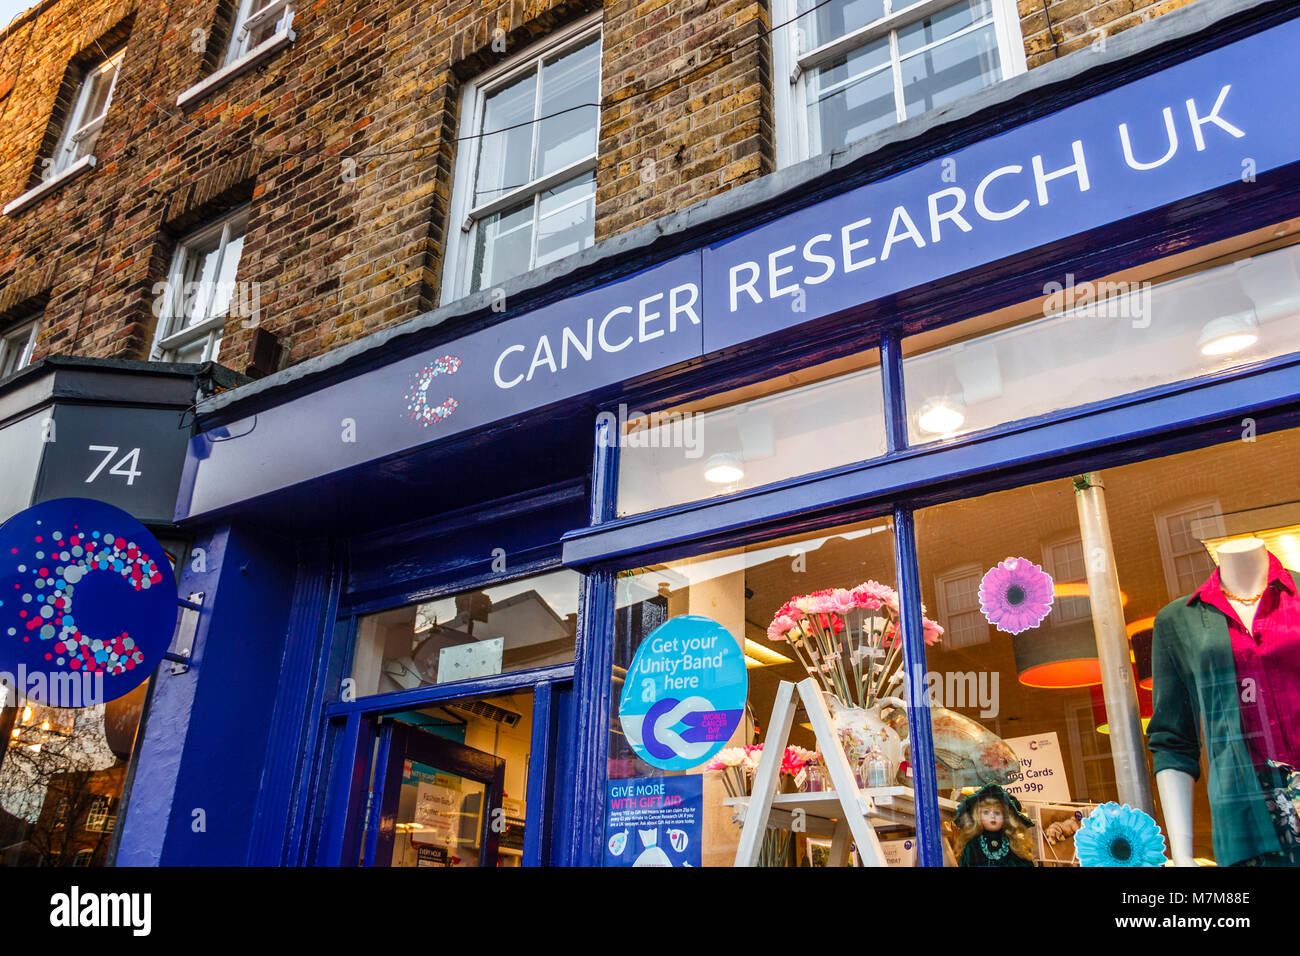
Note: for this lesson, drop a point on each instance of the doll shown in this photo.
(993, 830)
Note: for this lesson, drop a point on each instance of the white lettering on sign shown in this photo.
(619, 328)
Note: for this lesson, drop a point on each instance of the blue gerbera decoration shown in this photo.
(1119, 835)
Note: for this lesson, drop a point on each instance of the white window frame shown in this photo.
(945, 612)
(1167, 555)
(247, 20)
(101, 815)
(239, 56)
(30, 326)
(79, 128)
(795, 141)
(172, 334)
(465, 218)
(1058, 616)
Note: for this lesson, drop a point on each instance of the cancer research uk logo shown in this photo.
(86, 594)
(684, 695)
(421, 407)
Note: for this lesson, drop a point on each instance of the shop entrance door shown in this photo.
(450, 784)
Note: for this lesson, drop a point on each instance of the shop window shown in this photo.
(257, 23)
(741, 591)
(16, 347)
(1090, 341)
(1185, 560)
(61, 778)
(849, 68)
(501, 628)
(803, 422)
(525, 190)
(959, 607)
(1039, 678)
(90, 107)
(201, 293)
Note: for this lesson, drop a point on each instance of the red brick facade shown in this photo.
(344, 142)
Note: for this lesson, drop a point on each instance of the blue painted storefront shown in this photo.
(302, 530)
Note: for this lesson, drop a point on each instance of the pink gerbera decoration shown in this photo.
(1016, 595)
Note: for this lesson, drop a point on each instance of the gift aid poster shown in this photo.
(684, 695)
(654, 821)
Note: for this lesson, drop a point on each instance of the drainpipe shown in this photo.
(1126, 744)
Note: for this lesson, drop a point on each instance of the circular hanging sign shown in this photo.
(684, 695)
(87, 603)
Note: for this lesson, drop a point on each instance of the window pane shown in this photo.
(951, 70)
(226, 281)
(508, 627)
(569, 80)
(752, 437)
(101, 86)
(13, 349)
(741, 590)
(1027, 709)
(200, 274)
(943, 24)
(566, 219)
(503, 246)
(855, 96)
(505, 148)
(837, 18)
(61, 781)
(1107, 339)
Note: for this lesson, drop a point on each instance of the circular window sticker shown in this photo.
(684, 695)
(87, 603)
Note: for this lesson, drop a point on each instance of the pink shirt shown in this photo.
(1268, 664)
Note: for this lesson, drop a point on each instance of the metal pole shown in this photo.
(1117, 685)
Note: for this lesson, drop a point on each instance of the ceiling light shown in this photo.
(1226, 335)
(723, 469)
(940, 417)
(759, 655)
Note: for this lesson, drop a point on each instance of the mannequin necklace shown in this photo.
(1243, 600)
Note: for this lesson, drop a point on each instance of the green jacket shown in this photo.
(1195, 676)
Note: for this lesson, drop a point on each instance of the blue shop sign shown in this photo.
(87, 603)
(684, 694)
(1214, 120)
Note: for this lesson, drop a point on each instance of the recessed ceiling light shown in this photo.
(723, 469)
(940, 417)
(1226, 335)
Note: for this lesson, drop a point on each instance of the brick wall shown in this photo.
(344, 144)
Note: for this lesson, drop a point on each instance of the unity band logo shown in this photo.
(108, 910)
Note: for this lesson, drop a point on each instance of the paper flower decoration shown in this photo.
(1016, 595)
(1115, 835)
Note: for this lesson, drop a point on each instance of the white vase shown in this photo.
(862, 730)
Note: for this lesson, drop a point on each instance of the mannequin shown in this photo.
(1243, 573)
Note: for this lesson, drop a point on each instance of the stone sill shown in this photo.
(51, 184)
(240, 66)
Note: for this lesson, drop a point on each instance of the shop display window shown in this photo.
(523, 624)
(802, 422)
(62, 773)
(1091, 341)
(1031, 589)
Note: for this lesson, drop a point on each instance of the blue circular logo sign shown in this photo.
(684, 695)
(87, 603)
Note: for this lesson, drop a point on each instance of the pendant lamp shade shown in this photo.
(1057, 656)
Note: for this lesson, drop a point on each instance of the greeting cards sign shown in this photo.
(87, 603)
(684, 695)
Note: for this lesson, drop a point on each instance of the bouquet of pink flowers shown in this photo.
(738, 765)
(848, 639)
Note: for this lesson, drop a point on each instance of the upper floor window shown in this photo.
(525, 179)
(89, 108)
(200, 291)
(853, 67)
(16, 345)
(256, 22)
